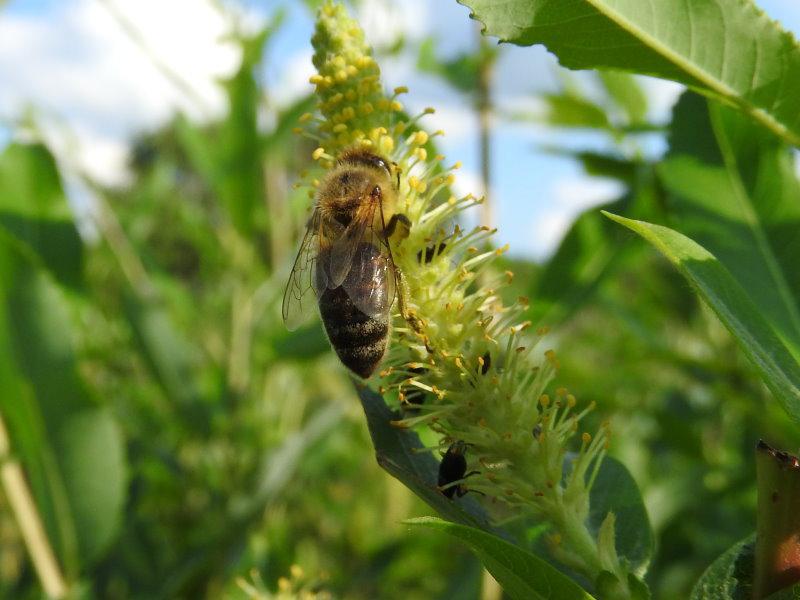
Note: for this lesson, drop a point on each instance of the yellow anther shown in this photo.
(571, 401)
(421, 154)
(341, 75)
(317, 154)
(315, 79)
(420, 138)
(396, 106)
(305, 117)
(386, 144)
(401, 90)
(544, 400)
(586, 437)
(339, 128)
(429, 110)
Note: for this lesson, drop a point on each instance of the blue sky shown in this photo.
(94, 89)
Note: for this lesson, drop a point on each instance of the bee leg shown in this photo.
(402, 301)
(398, 223)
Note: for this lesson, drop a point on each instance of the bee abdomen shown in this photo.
(358, 339)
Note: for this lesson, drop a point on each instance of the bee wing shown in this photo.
(345, 246)
(370, 279)
(307, 274)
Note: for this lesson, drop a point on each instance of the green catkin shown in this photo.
(517, 435)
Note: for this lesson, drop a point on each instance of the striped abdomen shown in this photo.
(359, 340)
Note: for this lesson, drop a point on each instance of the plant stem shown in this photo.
(777, 559)
(483, 102)
(28, 520)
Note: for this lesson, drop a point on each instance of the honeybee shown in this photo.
(346, 261)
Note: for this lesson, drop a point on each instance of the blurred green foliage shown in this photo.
(176, 437)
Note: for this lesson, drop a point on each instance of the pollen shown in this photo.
(420, 138)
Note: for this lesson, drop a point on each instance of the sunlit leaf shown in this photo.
(733, 188)
(724, 295)
(728, 48)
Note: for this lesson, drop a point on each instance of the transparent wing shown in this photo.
(307, 281)
(370, 280)
(345, 245)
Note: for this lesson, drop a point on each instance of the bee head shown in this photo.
(362, 156)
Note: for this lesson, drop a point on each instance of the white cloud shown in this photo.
(467, 182)
(293, 78)
(570, 197)
(94, 86)
(384, 21)
(662, 96)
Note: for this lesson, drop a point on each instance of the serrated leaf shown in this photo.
(733, 190)
(728, 577)
(523, 575)
(730, 303)
(725, 48)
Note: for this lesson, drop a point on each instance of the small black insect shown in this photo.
(431, 252)
(486, 364)
(453, 468)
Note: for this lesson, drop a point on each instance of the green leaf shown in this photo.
(615, 490)
(402, 454)
(230, 156)
(571, 110)
(523, 575)
(727, 48)
(580, 263)
(71, 448)
(34, 210)
(734, 308)
(168, 355)
(734, 191)
(730, 576)
(626, 94)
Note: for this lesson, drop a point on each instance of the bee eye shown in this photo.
(376, 192)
